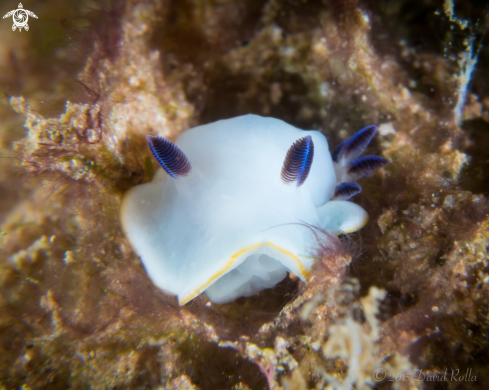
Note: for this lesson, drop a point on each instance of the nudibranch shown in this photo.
(235, 205)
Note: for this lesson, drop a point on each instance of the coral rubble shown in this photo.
(402, 304)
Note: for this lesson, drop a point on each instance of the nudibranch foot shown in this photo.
(256, 273)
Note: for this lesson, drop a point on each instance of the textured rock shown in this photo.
(77, 309)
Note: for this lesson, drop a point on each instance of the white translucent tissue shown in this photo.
(233, 227)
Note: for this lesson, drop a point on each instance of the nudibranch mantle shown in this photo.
(231, 226)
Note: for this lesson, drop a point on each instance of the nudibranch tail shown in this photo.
(170, 157)
(341, 216)
(298, 161)
(363, 166)
(346, 190)
(354, 146)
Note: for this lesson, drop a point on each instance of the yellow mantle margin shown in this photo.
(217, 275)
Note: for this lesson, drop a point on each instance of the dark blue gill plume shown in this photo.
(170, 157)
(298, 161)
(354, 146)
(346, 190)
(363, 166)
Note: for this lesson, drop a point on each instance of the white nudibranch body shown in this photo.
(234, 208)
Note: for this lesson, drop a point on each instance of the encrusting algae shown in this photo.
(402, 304)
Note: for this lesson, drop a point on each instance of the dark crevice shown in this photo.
(245, 316)
(475, 175)
(212, 367)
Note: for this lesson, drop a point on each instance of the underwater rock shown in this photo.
(78, 309)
